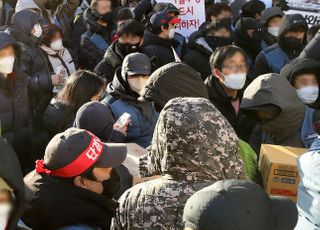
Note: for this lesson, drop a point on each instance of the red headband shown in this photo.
(84, 161)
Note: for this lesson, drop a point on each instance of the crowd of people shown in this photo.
(79, 79)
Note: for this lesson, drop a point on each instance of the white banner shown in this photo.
(192, 14)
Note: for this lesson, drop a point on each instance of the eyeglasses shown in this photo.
(235, 68)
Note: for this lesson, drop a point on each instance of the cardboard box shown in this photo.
(279, 171)
(132, 162)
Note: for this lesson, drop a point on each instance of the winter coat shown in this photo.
(58, 60)
(90, 52)
(284, 129)
(308, 192)
(171, 81)
(56, 203)
(273, 58)
(159, 50)
(34, 63)
(143, 114)
(15, 116)
(190, 154)
(62, 17)
(201, 50)
(54, 118)
(240, 122)
(111, 61)
(10, 172)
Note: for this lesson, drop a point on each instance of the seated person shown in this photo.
(303, 74)
(271, 18)
(238, 205)
(67, 187)
(274, 103)
(125, 89)
(98, 119)
(189, 154)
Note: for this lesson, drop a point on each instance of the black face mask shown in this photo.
(112, 185)
(215, 42)
(128, 48)
(52, 4)
(291, 43)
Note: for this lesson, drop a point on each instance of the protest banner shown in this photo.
(309, 9)
(192, 14)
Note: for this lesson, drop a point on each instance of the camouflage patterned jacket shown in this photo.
(193, 146)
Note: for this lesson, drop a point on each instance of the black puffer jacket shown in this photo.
(158, 49)
(55, 203)
(15, 117)
(201, 50)
(54, 118)
(90, 54)
(10, 172)
(34, 63)
(112, 60)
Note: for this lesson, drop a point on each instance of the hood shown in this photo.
(27, 4)
(300, 66)
(290, 21)
(153, 39)
(242, 39)
(22, 24)
(173, 80)
(10, 171)
(6, 40)
(193, 139)
(270, 13)
(119, 87)
(198, 42)
(271, 89)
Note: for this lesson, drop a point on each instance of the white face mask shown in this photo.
(37, 30)
(274, 30)
(235, 81)
(308, 94)
(171, 33)
(6, 64)
(57, 45)
(5, 210)
(137, 84)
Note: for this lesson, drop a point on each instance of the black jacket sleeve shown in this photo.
(39, 81)
(311, 51)
(261, 66)
(90, 55)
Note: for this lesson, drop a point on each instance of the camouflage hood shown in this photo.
(192, 139)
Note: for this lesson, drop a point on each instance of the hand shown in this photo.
(57, 79)
(124, 128)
